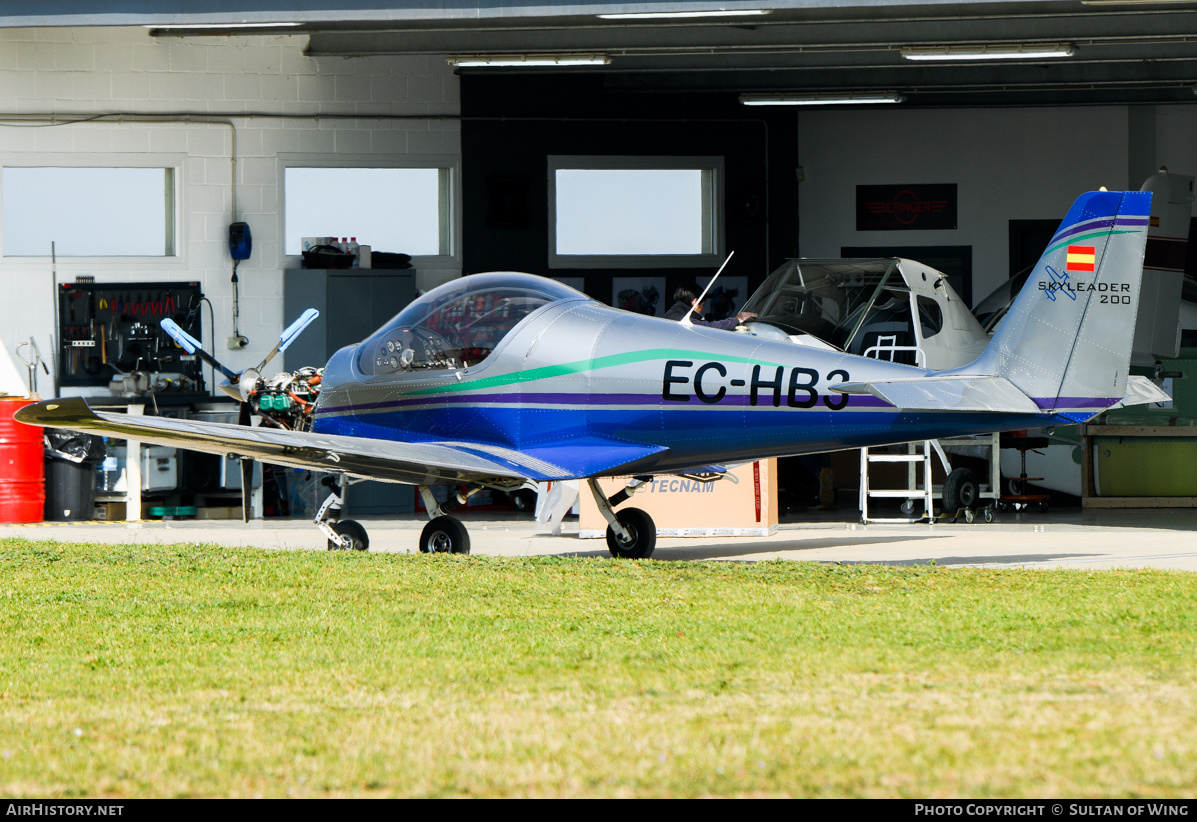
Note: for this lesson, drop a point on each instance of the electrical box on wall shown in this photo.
(241, 241)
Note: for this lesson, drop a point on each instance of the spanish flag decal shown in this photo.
(1081, 258)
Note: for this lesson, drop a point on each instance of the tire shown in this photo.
(644, 535)
(445, 535)
(960, 490)
(358, 540)
(523, 500)
(987, 514)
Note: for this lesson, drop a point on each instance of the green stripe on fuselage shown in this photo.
(609, 361)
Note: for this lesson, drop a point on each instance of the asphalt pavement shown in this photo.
(1058, 538)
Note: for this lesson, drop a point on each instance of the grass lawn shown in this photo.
(196, 670)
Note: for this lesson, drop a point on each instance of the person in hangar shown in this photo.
(686, 296)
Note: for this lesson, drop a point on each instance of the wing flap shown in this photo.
(993, 394)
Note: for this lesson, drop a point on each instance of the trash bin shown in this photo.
(71, 459)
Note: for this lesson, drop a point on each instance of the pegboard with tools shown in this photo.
(108, 331)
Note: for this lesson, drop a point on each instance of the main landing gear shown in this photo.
(631, 533)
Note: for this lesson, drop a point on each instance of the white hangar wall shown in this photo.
(87, 71)
(1008, 164)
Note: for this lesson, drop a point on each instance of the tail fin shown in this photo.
(1066, 340)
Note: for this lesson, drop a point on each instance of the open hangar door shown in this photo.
(1017, 107)
(1021, 105)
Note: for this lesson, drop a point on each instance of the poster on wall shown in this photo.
(725, 298)
(906, 208)
(643, 295)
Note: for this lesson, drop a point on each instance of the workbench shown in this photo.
(1090, 434)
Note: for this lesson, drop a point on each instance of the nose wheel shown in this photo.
(353, 536)
(343, 535)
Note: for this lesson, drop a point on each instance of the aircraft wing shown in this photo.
(415, 463)
(995, 394)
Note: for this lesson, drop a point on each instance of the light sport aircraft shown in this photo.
(501, 380)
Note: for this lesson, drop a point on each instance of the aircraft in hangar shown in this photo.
(503, 380)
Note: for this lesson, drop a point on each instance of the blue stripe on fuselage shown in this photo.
(694, 435)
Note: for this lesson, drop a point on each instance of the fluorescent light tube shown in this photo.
(215, 26)
(677, 15)
(1027, 52)
(861, 98)
(513, 60)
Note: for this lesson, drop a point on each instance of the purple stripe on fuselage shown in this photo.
(764, 400)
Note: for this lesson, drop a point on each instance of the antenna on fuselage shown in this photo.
(686, 319)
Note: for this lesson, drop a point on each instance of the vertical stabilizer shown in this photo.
(1066, 341)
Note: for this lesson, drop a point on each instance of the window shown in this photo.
(89, 212)
(624, 212)
(402, 210)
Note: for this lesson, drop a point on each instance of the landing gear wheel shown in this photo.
(445, 535)
(960, 490)
(353, 530)
(643, 531)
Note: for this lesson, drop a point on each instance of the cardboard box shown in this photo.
(110, 511)
(743, 504)
(218, 512)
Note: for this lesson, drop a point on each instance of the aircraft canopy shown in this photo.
(457, 324)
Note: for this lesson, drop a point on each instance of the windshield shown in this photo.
(458, 324)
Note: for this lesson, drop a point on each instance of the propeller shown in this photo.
(241, 386)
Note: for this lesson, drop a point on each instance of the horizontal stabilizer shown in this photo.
(955, 393)
(1141, 391)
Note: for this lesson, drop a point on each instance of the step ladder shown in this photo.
(912, 454)
(886, 348)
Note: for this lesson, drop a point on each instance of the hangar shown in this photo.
(790, 115)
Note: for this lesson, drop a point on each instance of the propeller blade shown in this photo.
(189, 343)
(288, 336)
(193, 346)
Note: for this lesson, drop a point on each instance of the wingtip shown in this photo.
(57, 412)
